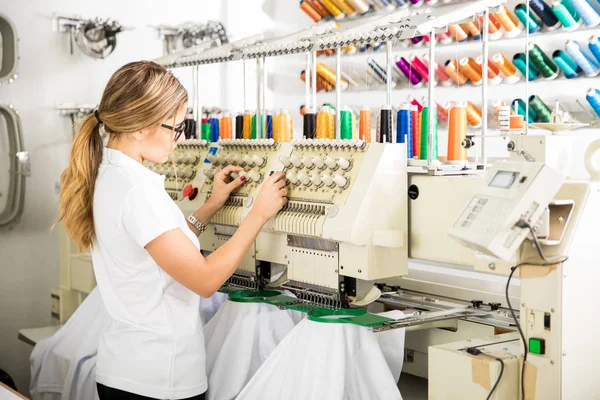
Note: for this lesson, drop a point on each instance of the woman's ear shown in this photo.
(141, 135)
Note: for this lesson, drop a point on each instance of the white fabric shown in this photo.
(329, 361)
(239, 339)
(153, 345)
(64, 365)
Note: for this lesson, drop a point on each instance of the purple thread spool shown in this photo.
(409, 71)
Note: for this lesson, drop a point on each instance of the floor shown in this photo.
(412, 387)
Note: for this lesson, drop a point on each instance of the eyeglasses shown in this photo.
(178, 129)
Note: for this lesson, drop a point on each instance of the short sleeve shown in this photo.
(147, 213)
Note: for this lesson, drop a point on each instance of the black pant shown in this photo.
(108, 393)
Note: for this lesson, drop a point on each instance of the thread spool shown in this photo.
(417, 41)
(444, 38)
(322, 125)
(409, 72)
(247, 133)
(458, 32)
(365, 125)
(504, 118)
(471, 29)
(360, 6)
(416, 131)
(416, 3)
(385, 125)
(593, 98)
(493, 27)
(508, 21)
(303, 110)
(346, 124)
(519, 60)
(310, 125)
(473, 115)
(452, 69)
(225, 126)
(329, 76)
(318, 7)
(253, 132)
(594, 47)
(566, 64)
(586, 12)
(330, 112)
(457, 133)
(542, 62)
(507, 68)
(286, 131)
(527, 19)
(442, 113)
(493, 71)
(333, 9)
(378, 71)
(239, 126)
(471, 70)
(544, 12)
(269, 125)
(322, 84)
(521, 108)
(568, 21)
(439, 72)
(310, 11)
(588, 66)
(540, 108)
(420, 68)
(205, 130)
(345, 7)
(404, 128)
(424, 151)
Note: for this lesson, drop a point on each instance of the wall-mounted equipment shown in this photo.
(13, 169)
(96, 37)
(75, 111)
(9, 55)
(192, 34)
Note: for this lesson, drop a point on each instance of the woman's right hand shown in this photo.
(271, 198)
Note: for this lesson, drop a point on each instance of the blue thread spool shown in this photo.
(594, 47)
(527, 19)
(568, 66)
(586, 11)
(269, 125)
(544, 12)
(521, 109)
(214, 129)
(574, 50)
(404, 128)
(593, 97)
(520, 61)
(570, 21)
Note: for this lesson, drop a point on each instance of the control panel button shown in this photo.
(318, 161)
(285, 161)
(316, 179)
(190, 192)
(327, 180)
(260, 161)
(246, 159)
(307, 162)
(212, 159)
(292, 177)
(340, 180)
(303, 178)
(255, 176)
(295, 161)
(343, 163)
(330, 162)
(243, 173)
(235, 159)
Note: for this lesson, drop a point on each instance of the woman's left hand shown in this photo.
(223, 185)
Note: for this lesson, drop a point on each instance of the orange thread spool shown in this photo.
(416, 131)
(471, 70)
(365, 125)
(506, 19)
(504, 65)
(493, 27)
(287, 127)
(457, 132)
(318, 7)
(308, 9)
(322, 124)
(247, 132)
(458, 32)
(329, 75)
(345, 7)
(226, 127)
(330, 123)
(452, 69)
(471, 28)
(473, 115)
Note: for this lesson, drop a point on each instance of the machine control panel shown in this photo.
(511, 191)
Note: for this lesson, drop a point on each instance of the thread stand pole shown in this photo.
(431, 101)
(264, 103)
(484, 86)
(196, 102)
(388, 60)
(338, 91)
(258, 96)
(307, 78)
(314, 79)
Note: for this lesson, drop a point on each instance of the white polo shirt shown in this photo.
(154, 344)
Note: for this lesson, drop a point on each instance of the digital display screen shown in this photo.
(503, 179)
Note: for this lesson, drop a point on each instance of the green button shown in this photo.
(537, 346)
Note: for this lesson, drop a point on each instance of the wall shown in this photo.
(49, 75)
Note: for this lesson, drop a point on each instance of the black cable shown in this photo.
(475, 352)
(547, 262)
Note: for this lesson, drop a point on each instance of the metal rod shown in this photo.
(258, 95)
(314, 79)
(196, 103)
(264, 103)
(527, 72)
(484, 86)
(388, 60)
(307, 77)
(338, 91)
(431, 102)
(244, 83)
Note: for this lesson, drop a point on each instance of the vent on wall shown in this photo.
(9, 55)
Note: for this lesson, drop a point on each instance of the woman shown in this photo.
(146, 255)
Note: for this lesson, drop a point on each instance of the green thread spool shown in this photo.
(545, 65)
(206, 132)
(540, 108)
(520, 61)
(567, 4)
(346, 124)
(425, 135)
(563, 14)
(253, 132)
(521, 110)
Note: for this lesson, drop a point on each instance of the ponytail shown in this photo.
(78, 182)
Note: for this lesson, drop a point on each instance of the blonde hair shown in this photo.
(139, 95)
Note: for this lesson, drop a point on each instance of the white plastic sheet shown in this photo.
(239, 339)
(331, 361)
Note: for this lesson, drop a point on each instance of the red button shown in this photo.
(188, 191)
